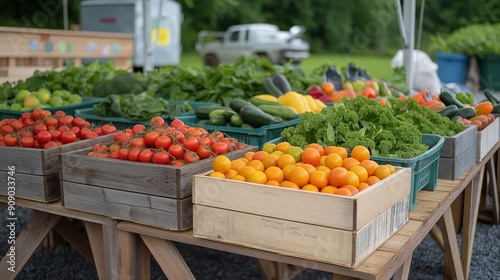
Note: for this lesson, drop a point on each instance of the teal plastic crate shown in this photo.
(68, 109)
(425, 167)
(123, 123)
(255, 137)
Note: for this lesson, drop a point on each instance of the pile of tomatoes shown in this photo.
(41, 129)
(175, 144)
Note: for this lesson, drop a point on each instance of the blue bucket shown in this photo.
(452, 67)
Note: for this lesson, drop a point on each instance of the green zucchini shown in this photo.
(455, 119)
(466, 113)
(218, 112)
(271, 88)
(448, 99)
(237, 104)
(247, 126)
(283, 112)
(496, 109)
(217, 120)
(256, 117)
(259, 101)
(203, 112)
(492, 98)
(282, 83)
(450, 111)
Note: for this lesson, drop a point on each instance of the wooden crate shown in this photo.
(37, 170)
(458, 154)
(303, 240)
(145, 193)
(347, 213)
(24, 50)
(487, 138)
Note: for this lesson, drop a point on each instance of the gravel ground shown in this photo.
(65, 263)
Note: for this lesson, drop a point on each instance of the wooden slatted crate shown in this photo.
(487, 138)
(318, 226)
(146, 193)
(37, 170)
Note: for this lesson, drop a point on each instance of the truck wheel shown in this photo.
(211, 60)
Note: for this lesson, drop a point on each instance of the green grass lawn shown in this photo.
(376, 66)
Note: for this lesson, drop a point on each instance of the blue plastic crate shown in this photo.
(255, 137)
(425, 167)
(68, 109)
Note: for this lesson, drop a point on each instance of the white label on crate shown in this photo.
(375, 233)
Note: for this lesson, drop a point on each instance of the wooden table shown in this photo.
(393, 258)
(100, 248)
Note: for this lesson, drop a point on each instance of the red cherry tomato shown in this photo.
(150, 138)
(157, 121)
(176, 150)
(10, 140)
(133, 155)
(219, 148)
(108, 129)
(28, 142)
(190, 143)
(177, 123)
(138, 128)
(203, 152)
(68, 137)
(163, 142)
(161, 157)
(43, 137)
(146, 156)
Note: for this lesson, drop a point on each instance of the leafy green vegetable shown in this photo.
(124, 83)
(138, 107)
(358, 121)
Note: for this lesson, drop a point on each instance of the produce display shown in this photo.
(25, 100)
(138, 107)
(176, 144)
(316, 168)
(480, 114)
(41, 129)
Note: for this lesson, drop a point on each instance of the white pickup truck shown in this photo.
(265, 40)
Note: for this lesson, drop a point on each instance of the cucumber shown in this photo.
(492, 98)
(228, 114)
(247, 126)
(282, 83)
(218, 112)
(450, 111)
(217, 120)
(466, 112)
(283, 112)
(271, 88)
(496, 109)
(237, 104)
(448, 99)
(259, 101)
(203, 112)
(236, 120)
(256, 117)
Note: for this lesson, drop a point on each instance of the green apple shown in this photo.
(66, 94)
(21, 95)
(43, 95)
(347, 85)
(358, 85)
(269, 147)
(56, 101)
(16, 107)
(57, 93)
(31, 102)
(295, 152)
(75, 99)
